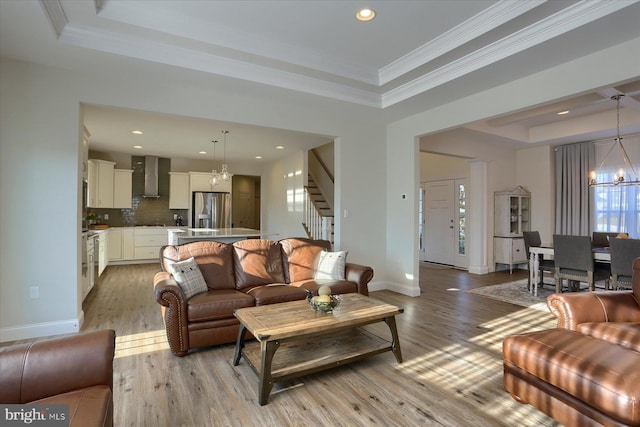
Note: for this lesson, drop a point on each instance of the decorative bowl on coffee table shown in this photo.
(323, 303)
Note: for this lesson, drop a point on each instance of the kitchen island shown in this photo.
(178, 236)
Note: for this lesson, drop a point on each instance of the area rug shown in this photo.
(517, 293)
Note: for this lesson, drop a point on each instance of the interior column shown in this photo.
(477, 220)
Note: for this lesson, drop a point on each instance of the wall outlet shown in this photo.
(175, 216)
(34, 292)
(106, 216)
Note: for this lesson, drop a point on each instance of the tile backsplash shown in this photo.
(144, 211)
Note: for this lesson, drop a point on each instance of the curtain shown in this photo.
(573, 163)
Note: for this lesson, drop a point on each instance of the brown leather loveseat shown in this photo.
(587, 371)
(76, 370)
(243, 274)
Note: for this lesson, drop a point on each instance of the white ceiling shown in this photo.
(412, 56)
(177, 136)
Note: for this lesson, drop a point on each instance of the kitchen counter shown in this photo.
(178, 236)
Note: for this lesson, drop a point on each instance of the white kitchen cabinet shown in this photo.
(178, 190)
(85, 153)
(92, 182)
(128, 243)
(115, 244)
(100, 183)
(122, 180)
(199, 181)
(103, 254)
(148, 241)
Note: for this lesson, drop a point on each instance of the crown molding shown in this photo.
(134, 47)
(485, 21)
(277, 68)
(55, 14)
(148, 15)
(559, 23)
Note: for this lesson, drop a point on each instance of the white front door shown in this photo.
(443, 222)
(439, 217)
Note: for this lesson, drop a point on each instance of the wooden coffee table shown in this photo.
(308, 341)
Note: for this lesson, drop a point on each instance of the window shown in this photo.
(421, 218)
(462, 217)
(617, 207)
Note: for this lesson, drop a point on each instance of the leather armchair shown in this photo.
(572, 309)
(75, 370)
(585, 371)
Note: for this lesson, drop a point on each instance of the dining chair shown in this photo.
(573, 257)
(623, 252)
(532, 239)
(600, 239)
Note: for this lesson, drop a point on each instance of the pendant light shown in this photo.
(626, 175)
(225, 175)
(215, 176)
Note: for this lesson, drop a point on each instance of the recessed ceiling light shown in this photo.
(258, 157)
(279, 147)
(364, 15)
(562, 113)
(138, 147)
(202, 152)
(136, 132)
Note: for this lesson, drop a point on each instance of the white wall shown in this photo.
(361, 189)
(535, 171)
(40, 180)
(40, 219)
(283, 187)
(434, 167)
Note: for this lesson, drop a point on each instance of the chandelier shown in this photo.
(223, 175)
(623, 175)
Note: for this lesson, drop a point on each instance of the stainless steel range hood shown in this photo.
(151, 177)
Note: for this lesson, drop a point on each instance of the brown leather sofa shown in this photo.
(76, 370)
(243, 274)
(586, 372)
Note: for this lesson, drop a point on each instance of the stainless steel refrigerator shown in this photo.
(211, 210)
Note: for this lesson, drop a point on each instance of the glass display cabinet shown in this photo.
(512, 216)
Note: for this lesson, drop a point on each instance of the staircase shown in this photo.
(318, 214)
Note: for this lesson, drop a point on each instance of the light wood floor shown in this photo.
(451, 375)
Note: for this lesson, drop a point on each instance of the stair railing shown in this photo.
(317, 225)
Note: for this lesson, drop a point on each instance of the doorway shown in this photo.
(245, 202)
(442, 222)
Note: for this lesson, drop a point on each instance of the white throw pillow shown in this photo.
(189, 277)
(331, 265)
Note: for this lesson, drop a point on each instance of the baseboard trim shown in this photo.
(395, 287)
(478, 269)
(39, 330)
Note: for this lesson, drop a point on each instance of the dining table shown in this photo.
(546, 250)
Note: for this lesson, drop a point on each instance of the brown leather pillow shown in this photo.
(257, 262)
